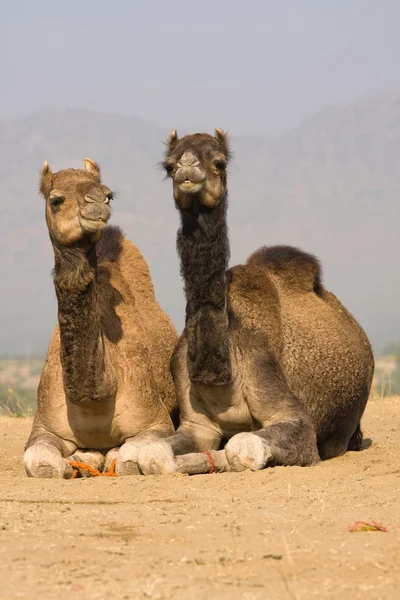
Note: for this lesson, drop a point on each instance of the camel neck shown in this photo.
(82, 353)
(203, 247)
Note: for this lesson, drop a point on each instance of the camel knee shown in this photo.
(156, 458)
(126, 459)
(128, 454)
(247, 451)
(45, 461)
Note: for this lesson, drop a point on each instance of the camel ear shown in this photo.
(46, 179)
(222, 139)
(172, 141)
(92, 168)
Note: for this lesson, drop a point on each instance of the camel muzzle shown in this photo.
(96, 195)
(189, 180)
(95, 210)
(189, 176)
(93, 216)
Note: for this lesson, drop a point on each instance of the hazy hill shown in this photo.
(331, 186)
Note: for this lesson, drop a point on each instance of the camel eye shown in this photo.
(56, 201)
(220, 165)
(169, 168)
(110, 196)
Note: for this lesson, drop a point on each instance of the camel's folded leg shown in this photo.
(159, 457)
(93, 458)
(202, 462)
(44, 456)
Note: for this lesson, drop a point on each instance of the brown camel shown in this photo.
(270, 362)
(106, 381)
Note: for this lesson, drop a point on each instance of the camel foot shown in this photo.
(45, 461)
(156, 458)
(247, 451)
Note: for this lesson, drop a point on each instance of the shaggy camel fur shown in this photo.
(106, 381)
(270, 362)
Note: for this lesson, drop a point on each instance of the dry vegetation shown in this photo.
(19, 378)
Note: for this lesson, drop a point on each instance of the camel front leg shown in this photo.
(287, 435)
(286, 443)
(196, 433)
(161, 457)
(44, 456)
(213, 461)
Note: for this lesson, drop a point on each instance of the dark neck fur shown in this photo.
(203, 247)
(82, 347)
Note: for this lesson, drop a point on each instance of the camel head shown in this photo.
(197, 165)
(77, 204)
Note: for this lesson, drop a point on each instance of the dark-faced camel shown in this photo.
(106, 382)
(271, 366)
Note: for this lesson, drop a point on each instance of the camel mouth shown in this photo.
(190, 187)
(92, 225)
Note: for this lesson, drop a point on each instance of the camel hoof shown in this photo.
(247, 451)
(45, 462)
(156, 458)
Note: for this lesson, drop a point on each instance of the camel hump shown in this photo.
(296, 268)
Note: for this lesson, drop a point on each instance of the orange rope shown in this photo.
(210, 460)
(77, 464)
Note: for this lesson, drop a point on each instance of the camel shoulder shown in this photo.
(296, 269)
(114, 247)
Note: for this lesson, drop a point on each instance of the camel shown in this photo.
(106, 385)
(271, 369)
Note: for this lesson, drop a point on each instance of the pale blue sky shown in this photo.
(257, 67)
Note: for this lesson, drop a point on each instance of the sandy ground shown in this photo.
(279, 533)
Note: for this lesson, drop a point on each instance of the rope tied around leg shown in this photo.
(77, 464)
(210, 460)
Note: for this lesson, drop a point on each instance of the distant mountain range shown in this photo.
(331, 186)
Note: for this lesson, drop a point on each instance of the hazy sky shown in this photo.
(254, 67)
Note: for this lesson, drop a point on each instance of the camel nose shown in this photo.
(188, 159)
(96, 195)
